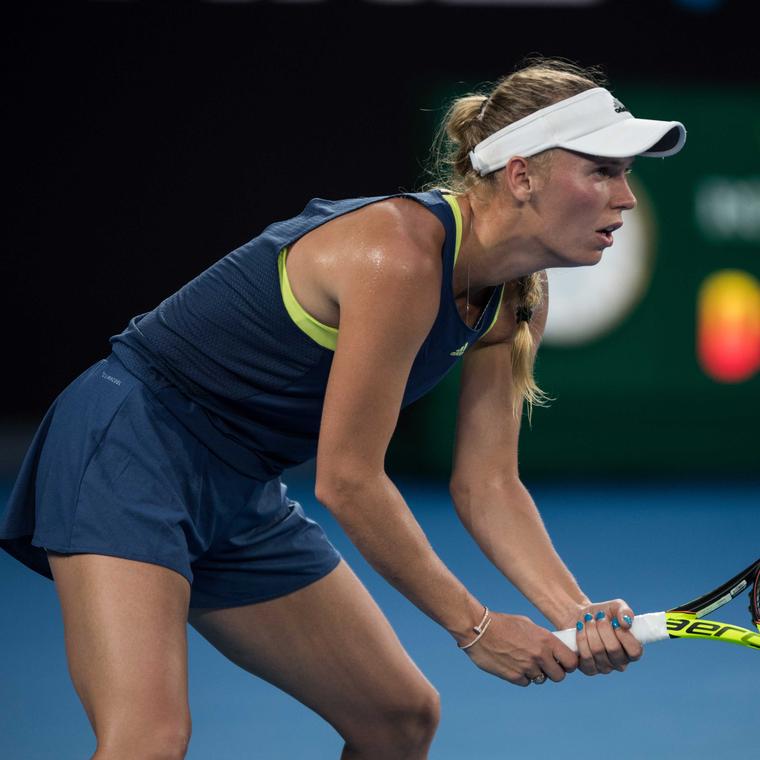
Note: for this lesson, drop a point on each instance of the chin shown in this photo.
(596, 256)
(587, 259)
(580, 256)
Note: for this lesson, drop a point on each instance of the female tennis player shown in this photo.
(152, 493)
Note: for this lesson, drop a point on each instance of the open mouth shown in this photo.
(606, 237)
(605, 233)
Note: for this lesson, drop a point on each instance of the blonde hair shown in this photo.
(537, 82)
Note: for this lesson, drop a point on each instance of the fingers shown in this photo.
(567, 659)
(631, 645)
(586, 661)
(546, 667)
(552, 669)
(556, 660)
(612, 655)
(604, 639)
(554, 664)
(525, 679)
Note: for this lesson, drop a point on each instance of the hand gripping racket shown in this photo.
(683, 622)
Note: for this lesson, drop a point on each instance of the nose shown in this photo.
(624, 198)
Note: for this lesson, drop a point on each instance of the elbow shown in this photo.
(338, 490)
(458, 490)
(464, 495)
(328, 490)
(468, 492)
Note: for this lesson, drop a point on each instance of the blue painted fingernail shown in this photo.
(615, 623)
(588, 616)
(627, 619)
(579, 625)
(600, 615)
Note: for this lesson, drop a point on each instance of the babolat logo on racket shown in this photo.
(619, 107)
(686, 626)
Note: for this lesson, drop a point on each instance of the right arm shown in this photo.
(388, 302)
(385, 314)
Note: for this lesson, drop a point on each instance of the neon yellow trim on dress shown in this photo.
(452, 201)
(496, 313)
(324, 335)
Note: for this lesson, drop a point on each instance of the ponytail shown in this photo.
(530, 291)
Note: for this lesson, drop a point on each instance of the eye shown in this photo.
(611, 171)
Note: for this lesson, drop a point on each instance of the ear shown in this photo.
(517, 179)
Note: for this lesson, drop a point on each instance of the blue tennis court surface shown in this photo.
(655, 545)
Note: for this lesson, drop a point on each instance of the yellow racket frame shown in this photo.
(686, 625)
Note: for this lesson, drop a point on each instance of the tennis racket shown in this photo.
(684, 621)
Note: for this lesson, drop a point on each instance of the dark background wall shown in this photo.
(144, 141)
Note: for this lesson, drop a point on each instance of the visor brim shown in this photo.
(632, 137)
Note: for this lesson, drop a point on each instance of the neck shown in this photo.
(494, 248)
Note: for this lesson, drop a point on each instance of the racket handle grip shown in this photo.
(646, 628)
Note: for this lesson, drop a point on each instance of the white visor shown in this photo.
(593, 122)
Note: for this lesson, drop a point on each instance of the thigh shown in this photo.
(328, 645)
(125, 625)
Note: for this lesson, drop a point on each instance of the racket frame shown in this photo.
(723, 594)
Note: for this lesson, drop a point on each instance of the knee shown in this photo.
(165, 742)
(419, 720)
(169, 745)
(403, 727)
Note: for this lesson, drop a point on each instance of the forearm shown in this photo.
(378, 521)
(505, 523)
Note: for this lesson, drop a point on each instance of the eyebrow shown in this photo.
(613, 161)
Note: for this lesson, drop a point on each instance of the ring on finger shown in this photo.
(539, 679)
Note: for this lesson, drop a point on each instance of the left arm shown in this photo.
(503, 519)
(500, 514)
(489, 497)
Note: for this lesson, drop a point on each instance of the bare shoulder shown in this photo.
(395, 245)
(389, 243)
(391, 247)
(405, 231)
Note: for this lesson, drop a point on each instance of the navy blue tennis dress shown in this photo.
(170, 450)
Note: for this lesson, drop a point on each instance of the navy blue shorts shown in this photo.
(111, 471)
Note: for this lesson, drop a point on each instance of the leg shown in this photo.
(125, 625)
(330, 647)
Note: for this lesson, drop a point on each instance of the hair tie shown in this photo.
(523, 314)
